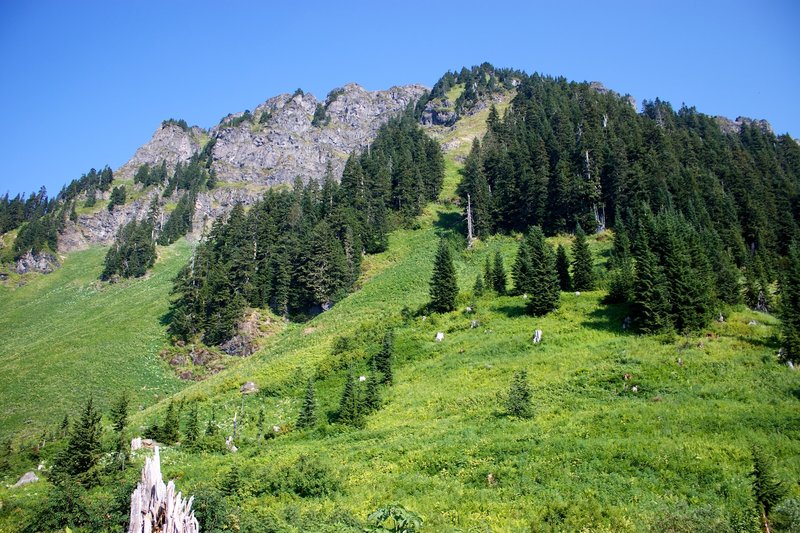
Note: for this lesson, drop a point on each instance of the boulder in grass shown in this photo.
(248, 388)
(27, 477)
(439, 337)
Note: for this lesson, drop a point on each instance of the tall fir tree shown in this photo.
(543, 277)
(499, 278)
(562, 267)
(192, 433)
(119, 413)
(443, 284)
(650, 294)
(583, 278)
(79, 460)
(478, 288)
(351, 407)
(790, 307)
(383, 359)
(308, 412)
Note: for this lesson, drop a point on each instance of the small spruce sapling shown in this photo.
(518, 401)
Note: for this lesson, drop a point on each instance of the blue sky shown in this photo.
(83, 84)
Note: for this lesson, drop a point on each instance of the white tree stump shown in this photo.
(156, 508)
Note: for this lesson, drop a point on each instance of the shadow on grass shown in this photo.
(166, 318)
(610, 318)
(448, 222)
(511, 311)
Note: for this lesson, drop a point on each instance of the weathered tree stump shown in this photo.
(155, 508)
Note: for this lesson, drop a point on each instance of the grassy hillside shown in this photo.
(67, 336)
(629, 433)
(597, 455)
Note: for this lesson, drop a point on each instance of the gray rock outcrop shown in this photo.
(735, 126)
(37, 262)
(169, 143)
(28, 477)
(280, 142)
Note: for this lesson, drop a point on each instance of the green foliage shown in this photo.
(583, 278)
(181, 123)
(562, 267)
(542, 282)
(321, 117)
(478, 288)
(383, 359)
(119, 413)
(117, 197)
(443, 284)
(308, 412)
(499, 278)
(78, 461)
(518, 399)
(132, 253)
(351, 405)
(790, 307)
(768, 489)
(180, 220)
(396, 518)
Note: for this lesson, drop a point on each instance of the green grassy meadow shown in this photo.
(67, 336)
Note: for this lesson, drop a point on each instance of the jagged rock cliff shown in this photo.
(280, 142)
(272, 145)
(170, 143)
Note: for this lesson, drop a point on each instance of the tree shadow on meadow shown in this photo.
(448, 223)
(511, 311)
(611, 318)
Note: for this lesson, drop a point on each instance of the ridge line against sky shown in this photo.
(87, 83)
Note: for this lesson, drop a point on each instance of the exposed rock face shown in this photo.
(734, 126)
(101, 227)
(262, 153)
(37, 262)
(169, 143)
(602, 89)
(439, 113)
(284, 144)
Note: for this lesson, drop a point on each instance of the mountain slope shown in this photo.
(67, 336)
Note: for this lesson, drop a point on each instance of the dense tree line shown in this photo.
(133, 251)
(566, 154)
(299, 250)
(702, 216)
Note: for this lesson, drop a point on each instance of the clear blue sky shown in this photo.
(83, 84)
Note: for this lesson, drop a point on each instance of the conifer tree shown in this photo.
(583, 278)
(351, 408)
(518, 400)
(443, 285)
(119, 413)
(487, 274)
(543, 277)
(192, 433)
(168, 432)
(478, 287)
(308, 412)
(383, 359)
(78, 461)
(499, 279)
(372, 399)
(650, 296)
(790, 307)
(63, 428)
(562, 267)
(211, 427)
(768, 489)
(521, 271)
